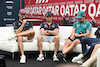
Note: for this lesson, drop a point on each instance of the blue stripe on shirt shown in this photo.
(15, 30)
(31, 28)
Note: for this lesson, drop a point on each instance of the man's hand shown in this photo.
(24, 21)
(77, 35)
(72, 37)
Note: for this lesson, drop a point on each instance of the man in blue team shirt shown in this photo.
(49, 33)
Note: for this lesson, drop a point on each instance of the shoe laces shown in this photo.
(22, 57)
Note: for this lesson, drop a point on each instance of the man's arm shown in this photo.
(84, 35)
(74, 29)
(21, 27)
(54, 32)
(88, 31)
(44, 32)
(73, 32)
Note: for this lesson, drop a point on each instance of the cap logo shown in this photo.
(78, 14)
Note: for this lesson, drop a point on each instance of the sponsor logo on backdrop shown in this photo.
(65, 10)
(59, 8)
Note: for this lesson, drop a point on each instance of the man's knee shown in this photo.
(40, 38)
(33, 32)
(20, 38)
(84, 39)
(97, 46)
(31, 35)
(93, 45)
(68, 41)
(76, 41)
(56, 38)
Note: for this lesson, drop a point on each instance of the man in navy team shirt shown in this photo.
(49, 33)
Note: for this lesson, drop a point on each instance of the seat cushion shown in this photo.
(10, 47)
(76, 49)
(28, 46)
(32, 46)
(52, 45)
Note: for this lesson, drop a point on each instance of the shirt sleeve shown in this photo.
(57, 25)
(89, 27)
(31, 25)
(15, 25)
(74, 25)
(41, 25)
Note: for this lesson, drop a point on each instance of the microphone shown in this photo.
(23, 18)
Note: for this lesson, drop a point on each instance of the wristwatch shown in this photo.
(47, 31)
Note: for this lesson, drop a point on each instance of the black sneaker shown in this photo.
(61, 57)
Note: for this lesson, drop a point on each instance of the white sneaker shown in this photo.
(23, 59)
(75, 59)
(55, 58)
(80, 61)
(13, 37)
(40, 58)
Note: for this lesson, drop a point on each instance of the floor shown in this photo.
(31, 60)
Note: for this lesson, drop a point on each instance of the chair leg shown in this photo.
(12, 55)
(45, 53)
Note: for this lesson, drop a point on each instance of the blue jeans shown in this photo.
(90, 42)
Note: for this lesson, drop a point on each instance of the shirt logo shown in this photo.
(78, 25)
(84, 25)
(53, 26)
(78, 14)
(46, 26)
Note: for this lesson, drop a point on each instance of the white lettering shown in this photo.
(71, 6)
(76, 10)
(83, 6)
(67, 10)
(94, 10)
(98, 10)
(62, 10)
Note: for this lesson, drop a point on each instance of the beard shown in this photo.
(49, 20)
(81, 21)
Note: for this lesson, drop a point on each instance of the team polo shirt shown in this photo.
(82, 27)
(49, 27)
(27, 26)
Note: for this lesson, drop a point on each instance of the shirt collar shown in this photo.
(83, 22)
(51, 23)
